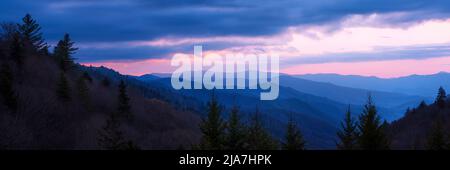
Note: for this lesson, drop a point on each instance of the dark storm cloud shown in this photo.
(129, 20)
(102, 20)
(137, 53)
(121, 51)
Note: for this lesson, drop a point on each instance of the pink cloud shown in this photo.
(384, 69)
(358, 34)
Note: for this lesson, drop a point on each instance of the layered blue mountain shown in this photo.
(317, 106)
(392, 104)
(318, 124)
(422, 85)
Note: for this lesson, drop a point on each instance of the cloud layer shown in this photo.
(301, 31)
(119, 20)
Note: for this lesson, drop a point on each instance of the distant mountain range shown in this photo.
(317, 106)
(318, 117)
(422, 85)
(392, 104)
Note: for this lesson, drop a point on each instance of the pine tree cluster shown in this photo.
(234, 134)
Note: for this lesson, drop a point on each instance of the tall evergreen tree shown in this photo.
(293, 138)
(110, 136)
(87, 77)
(64, 51)
(372, 135)
(17, 50)
(30, 30)
(441, 97)
(45, 51)
(6, 88)
(83, 91)
(437, 139)
(124, 107)
(422, 104)
(213, 127)
(236, 131)
(348, 134)
(63, 88)
(8, 29)
(258, 138)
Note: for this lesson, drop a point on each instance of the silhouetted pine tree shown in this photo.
(110, 136)
(17, 50)
(213, 127)
(372, 135)
(63, 88)
(45, 51)
(8, 29)
(87, 77)
(407, 110)
(422, 104)
(83, 91)
(384, 125)
(258, 138)
(293, 138)
(63, 53)
(30, 30)
(131, 146)
(440, 99)
(348, 134)
(6, 88)
(236, 131)
(437, 139)
(124, 107)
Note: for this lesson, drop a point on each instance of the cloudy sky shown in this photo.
(385, 38)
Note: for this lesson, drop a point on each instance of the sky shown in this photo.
(384, 38)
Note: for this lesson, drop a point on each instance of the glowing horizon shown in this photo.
(403, 67)
(363, 45)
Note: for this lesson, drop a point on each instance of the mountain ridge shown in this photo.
(421, 85)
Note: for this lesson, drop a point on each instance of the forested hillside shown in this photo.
(425, 126)
(49, 102)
